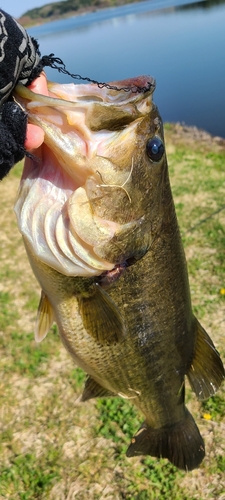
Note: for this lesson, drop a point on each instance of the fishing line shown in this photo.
(191, 229)
(57, 63)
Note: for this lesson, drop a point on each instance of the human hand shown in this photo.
(20, 62)
(17, 136)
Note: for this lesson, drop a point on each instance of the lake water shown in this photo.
(182, 47)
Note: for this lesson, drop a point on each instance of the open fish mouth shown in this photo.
(66, 205)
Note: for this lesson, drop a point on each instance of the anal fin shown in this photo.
(94, 390)
(101, 317)
(181, 443)
(206, 372)
(45, 318)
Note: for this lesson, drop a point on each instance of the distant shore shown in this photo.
(73, 8)
(27, 21)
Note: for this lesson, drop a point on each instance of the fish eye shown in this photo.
(155, 149)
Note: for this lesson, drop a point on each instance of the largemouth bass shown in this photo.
(97, 216)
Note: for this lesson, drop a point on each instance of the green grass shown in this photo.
(30, 477)
(117, 421)
(8, 313)
(215, 407)
(52, 447)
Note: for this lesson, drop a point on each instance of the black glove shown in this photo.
(20, 62)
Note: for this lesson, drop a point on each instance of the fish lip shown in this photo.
(138, 84)
(123, 106)
(116, 91)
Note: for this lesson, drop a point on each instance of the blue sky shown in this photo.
(17, 7)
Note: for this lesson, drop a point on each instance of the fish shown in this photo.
(96, 213)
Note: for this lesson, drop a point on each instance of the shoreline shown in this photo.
(189, 134)
(73, 13)
(100, 5)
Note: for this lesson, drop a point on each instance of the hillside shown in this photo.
(67, 8)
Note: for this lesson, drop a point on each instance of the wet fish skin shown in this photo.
(161, 341)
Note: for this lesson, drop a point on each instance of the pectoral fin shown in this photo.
(206, 372)
(101, 317)
(94, 390)
(45, 318)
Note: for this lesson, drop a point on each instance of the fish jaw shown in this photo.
(77, 177)
(78, 120)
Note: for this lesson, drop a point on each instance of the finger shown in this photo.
(39, 85)
(34, 137)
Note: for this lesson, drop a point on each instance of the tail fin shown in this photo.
(206, 372)
(181, 443)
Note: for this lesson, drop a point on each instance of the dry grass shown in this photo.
(51, 446)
